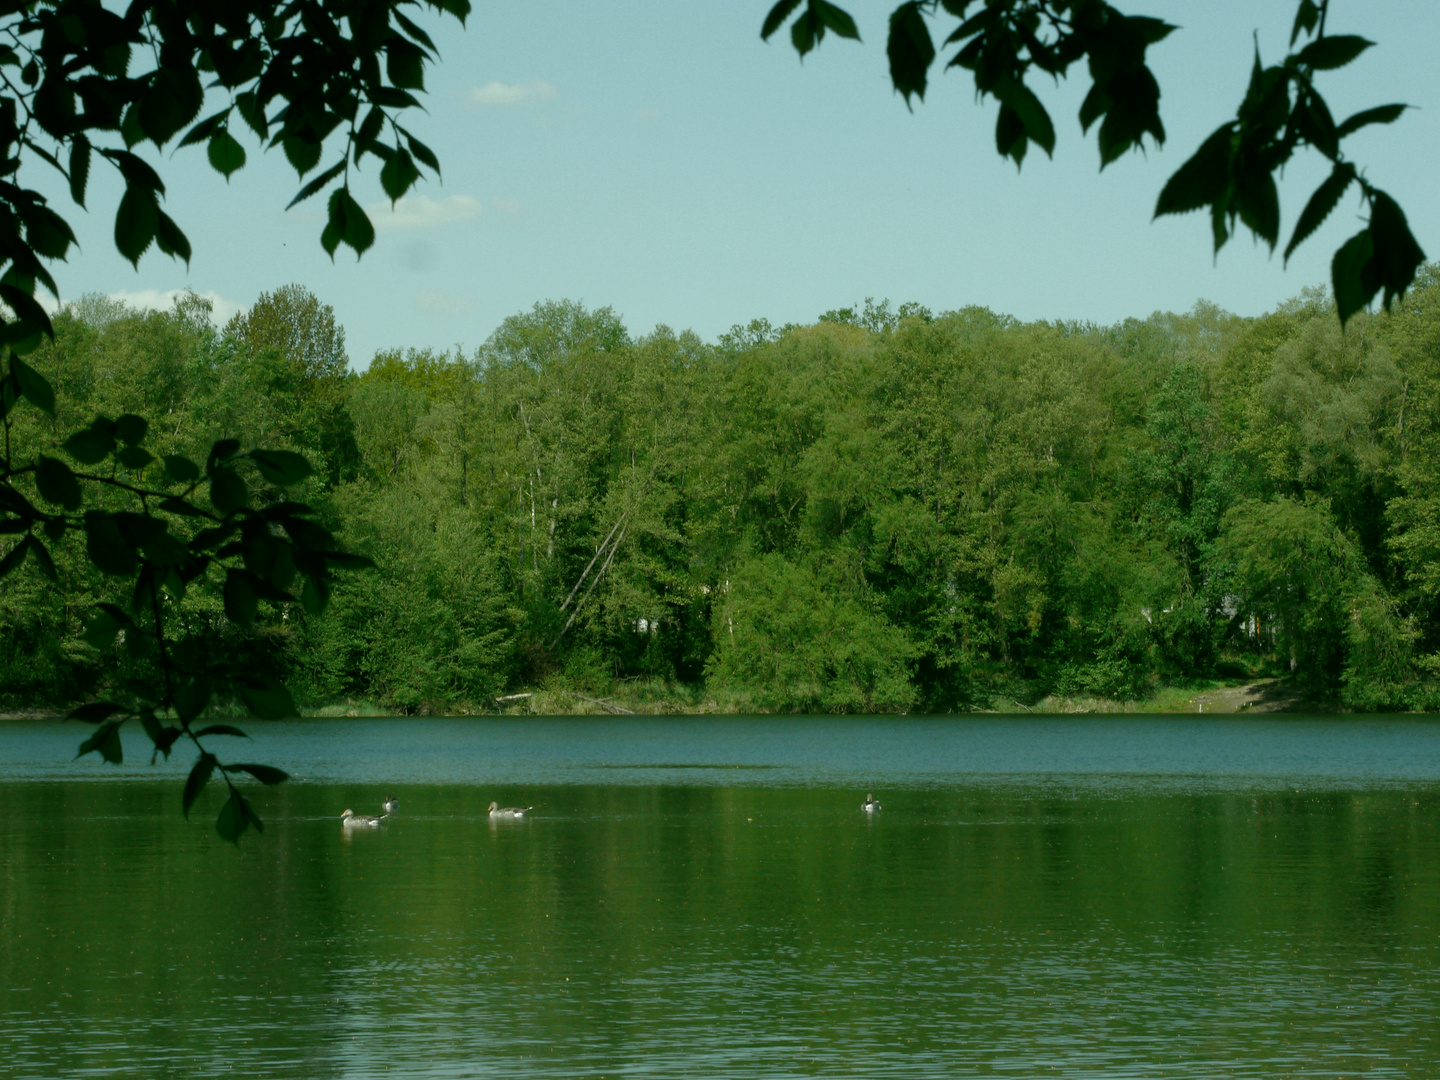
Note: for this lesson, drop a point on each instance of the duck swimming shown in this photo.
(390, 803)
(352, 820)
(870, 806)
(498, 811)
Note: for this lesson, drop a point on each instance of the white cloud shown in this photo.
(498, 93)
(221, 310)
(422, 212)
(441, 303)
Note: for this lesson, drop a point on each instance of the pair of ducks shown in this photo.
(352, 820)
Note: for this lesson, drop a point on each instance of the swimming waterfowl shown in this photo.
(498, 811)
(352, 820)
(390, 803)
(870, 806)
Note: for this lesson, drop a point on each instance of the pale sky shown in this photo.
(659, 158)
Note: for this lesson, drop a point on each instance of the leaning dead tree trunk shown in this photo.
(588, 568)
(591, 587)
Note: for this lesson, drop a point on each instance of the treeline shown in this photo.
(882, 511)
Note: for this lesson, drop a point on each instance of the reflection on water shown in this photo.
(755, 925)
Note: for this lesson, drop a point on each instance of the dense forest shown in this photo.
(883, 511)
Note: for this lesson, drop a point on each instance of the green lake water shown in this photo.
(1130, 897)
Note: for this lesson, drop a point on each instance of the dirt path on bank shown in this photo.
(1266, 696)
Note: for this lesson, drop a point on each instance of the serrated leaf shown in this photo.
(398, 175)
(1381, 114)
(777, 16)
(266, 774)
(79, 167)
(169, 237)
(304, 154)
(910, 50)
(424, 153)
(226, 155)
(836, 20)
(1320, 205)
(1202, 180)
(1351, 277)
(196, 781)
(135, 222)
(56, 483)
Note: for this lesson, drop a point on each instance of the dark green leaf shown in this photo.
(1320, 205)
(221, 729)
(79, 167)
(33, 386)
(169, 238)
(424, 153)
(135, 222)
(836, 20)
(1305, 19)
(228, 492)
(191, 697)
(266, 774)
(226, 155)
(1327, 53)
(205, 128)
(89, 446)
(910, 50)
(1351, 275)
(222, 450)
(304, 154)
(56, 483)
(107, 741)
(1202, 180)
(106, 547)
(181, 469)
(282, 467)
(134, 457)
(268, 700)
(14, 557)
(1381, 114)
(234, 818)
(318, 182)
(405, 64)
(196, 781)
(777, 16)
(240, 602)
(1397, 253)
(398, 175)
(43, 560)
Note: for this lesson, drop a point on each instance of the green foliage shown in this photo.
(885, 511)
(1232, 173)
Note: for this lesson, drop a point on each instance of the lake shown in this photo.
(703, 897)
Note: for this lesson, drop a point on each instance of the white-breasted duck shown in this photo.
(352, 820)
(390, 803)
(870, 806)
(498, 811)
